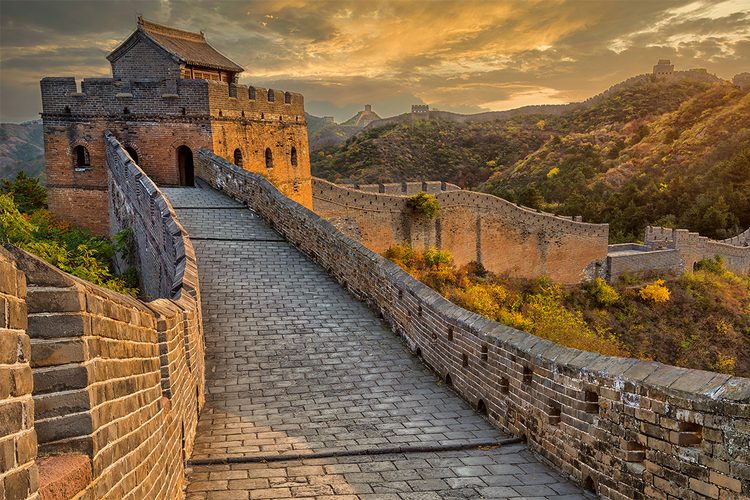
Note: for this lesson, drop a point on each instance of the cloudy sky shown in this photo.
(450, 54)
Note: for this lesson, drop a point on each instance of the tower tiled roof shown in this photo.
(191, 48)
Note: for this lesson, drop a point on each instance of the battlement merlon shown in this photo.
(108, 97)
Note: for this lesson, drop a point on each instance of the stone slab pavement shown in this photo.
(309, 395)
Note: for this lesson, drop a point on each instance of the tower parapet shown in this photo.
(420, 112)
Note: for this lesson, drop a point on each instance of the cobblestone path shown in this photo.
(309, 395)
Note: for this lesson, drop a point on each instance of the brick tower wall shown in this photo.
(144, 60)
(155, 118)
(243, 118)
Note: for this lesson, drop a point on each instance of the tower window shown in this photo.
(271, 97)
(294, 157)
(81, 155)
(287, 98)
(238, 157)
(269, 158)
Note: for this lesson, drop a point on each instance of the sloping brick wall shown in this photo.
(117, 383)
(19, 478)
(99, 361)
(165, 259)
(624, 428)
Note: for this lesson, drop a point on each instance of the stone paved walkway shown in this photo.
(310, 396)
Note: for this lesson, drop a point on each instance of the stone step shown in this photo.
(62, 478)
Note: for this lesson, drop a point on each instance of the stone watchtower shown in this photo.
(170, 94)
(420, 112)
(664, 70)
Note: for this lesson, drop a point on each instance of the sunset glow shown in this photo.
(478, 55)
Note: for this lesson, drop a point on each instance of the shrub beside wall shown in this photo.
(621, 427)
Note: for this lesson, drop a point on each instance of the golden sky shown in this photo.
(455, 55)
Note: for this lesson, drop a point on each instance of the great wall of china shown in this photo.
(473, 226)
(622, 427)
(100, 392)
(634, 429)
(507, 238)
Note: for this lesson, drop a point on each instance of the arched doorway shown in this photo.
(185, 163)
(133, 154)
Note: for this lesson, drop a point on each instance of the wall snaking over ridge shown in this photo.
(624, 428)
(480, 227)
(694, 247)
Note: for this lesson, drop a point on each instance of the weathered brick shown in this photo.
(11, 417)
(23, 381)
(17, 484)
(703, 488)
(7, 454)
(8, 347)
(17, 315)
(58, 326)
(727, 482)
(27, 447)
(46, 353)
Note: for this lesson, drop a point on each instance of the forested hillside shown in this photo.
(21, 149)
(673, 155)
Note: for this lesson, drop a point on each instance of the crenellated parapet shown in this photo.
(693, 247)
(152, 99)
(473, 226)
(621, 428)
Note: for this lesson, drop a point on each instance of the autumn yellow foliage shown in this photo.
(540, 312)
(655, 292)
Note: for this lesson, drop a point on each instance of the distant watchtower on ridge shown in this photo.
(420, 112)
(170, 94)
(664, 70)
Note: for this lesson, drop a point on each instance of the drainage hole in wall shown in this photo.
(527, 373)
(592, 402)
(481, 407)
(504, 386)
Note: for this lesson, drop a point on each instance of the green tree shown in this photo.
(424, 204)
(27, 193)
(532, 198)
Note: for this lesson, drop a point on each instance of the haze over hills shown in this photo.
(652, 153)
(392, 106)
(21, 149)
